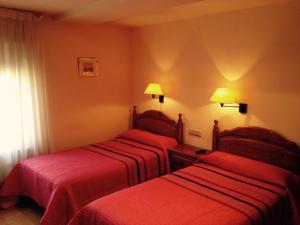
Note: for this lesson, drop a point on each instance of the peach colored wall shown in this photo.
(255, 51)
(86, 110)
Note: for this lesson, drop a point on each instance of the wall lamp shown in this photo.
(226, 98)
(154, 90)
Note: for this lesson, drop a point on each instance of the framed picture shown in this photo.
(88, 67)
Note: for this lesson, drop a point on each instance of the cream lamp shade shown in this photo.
(153, 89)
(223, 95)
(226, 98)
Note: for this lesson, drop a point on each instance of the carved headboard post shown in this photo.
(180, 129)
(134, 117)
(215, 135)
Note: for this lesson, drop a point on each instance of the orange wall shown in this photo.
(86, 110)
(255, 51)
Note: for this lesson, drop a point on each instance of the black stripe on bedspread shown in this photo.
(245, 182)
(230, 189)
(140, 142)
(259, 210)
(134, 155)
(135, 160)
(149, 150)
(125, 163)
(281, 198)
(208, 196)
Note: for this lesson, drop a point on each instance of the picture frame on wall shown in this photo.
(88, 67)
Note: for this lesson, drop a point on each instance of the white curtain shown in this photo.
(23, 130)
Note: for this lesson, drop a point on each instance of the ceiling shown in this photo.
(133, 12)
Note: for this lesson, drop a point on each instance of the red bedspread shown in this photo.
(204, 193)
(64, 182)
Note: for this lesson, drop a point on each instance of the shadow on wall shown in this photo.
(263, 66)
(184, 77)
(236, 41)
(255, 51)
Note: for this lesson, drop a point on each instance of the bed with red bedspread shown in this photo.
(211, 192)
(64, 182)
(222, 189)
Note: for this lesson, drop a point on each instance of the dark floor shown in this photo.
(25, 213)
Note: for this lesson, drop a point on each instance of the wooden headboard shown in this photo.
(158, 123)
(260, 144)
